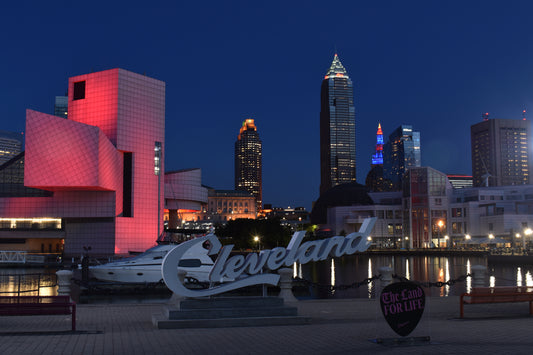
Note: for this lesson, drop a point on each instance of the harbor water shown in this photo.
(315, 280)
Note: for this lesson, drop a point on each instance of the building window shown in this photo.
(79, 90)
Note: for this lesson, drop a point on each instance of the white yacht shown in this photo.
(146, 267)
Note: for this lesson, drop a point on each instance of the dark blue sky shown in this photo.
(437, 65)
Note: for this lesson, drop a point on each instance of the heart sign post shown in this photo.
(402, 304)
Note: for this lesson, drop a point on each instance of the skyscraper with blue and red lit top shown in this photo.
(377, 158)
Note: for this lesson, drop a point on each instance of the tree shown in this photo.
(241, 233)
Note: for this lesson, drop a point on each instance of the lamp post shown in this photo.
(467, 238)
(256, 240)
(527, 232)
(440, 223)
(518, 236)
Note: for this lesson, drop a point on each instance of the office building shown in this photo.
(501, 152)
(375, 180)
(10, 145)
(337, 128)
(61, 106)
(401, 152)
(248, 162)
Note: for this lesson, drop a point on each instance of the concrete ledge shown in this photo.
(161, 322)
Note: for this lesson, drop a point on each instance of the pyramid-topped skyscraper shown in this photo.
(337, 128)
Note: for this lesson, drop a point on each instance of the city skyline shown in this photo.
(435, 66)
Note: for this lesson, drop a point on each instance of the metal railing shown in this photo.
(9, 256)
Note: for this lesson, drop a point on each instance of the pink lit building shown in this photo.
(100, 170)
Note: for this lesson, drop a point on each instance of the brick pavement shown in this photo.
(337, 327)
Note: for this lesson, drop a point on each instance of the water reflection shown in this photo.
(529, 279)
(352, 269)
(27, 282)
(332, 278)
(369, 275)
(468, 279)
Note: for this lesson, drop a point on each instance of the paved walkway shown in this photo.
(337, 327)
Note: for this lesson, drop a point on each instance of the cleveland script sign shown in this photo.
(248, 271)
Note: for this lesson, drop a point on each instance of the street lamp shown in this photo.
(256, 240)
(527, 232)
(440, 223)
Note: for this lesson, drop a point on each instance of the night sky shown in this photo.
(437, 65)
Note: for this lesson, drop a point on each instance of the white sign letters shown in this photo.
(246, 271)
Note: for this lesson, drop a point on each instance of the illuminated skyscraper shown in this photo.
(375, 180)
(377, 158)
(401, 152)
(10, 145)
(248, 161)
(337, 128)
(501, 153)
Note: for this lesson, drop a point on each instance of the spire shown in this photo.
(336, 69)
(377, 159)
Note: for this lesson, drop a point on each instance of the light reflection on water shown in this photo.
(355, 268)
(26, 282)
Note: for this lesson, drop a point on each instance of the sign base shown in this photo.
(406, 341)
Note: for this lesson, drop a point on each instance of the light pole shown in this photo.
(256, 240)
(440, 223)
(527, 232)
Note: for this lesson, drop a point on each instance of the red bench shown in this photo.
(498, 294)
(38, 305)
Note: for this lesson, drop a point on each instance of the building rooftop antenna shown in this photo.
(524, 114)
(485, 116)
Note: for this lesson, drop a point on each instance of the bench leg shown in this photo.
(74, 318)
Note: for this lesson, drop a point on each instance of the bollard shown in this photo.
(386, 277)
(175, 299)
(63, 282)
(478, 272)
(285, 284)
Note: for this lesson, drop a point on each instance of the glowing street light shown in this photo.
(256, 240)
(440, 223)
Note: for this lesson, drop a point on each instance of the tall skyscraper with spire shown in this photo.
(248, 162)
(337, 128)
(377, 158)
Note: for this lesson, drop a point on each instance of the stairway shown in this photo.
(221, 312)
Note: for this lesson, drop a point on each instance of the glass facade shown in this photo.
(61, 106)
(337, 128)
(402, 151)
(12, 180)
(10, 145)
(248, 162)
(426, 202)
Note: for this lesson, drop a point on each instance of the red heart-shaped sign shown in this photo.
(402, 304)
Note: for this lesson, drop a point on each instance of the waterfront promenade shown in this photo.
(344, 326)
